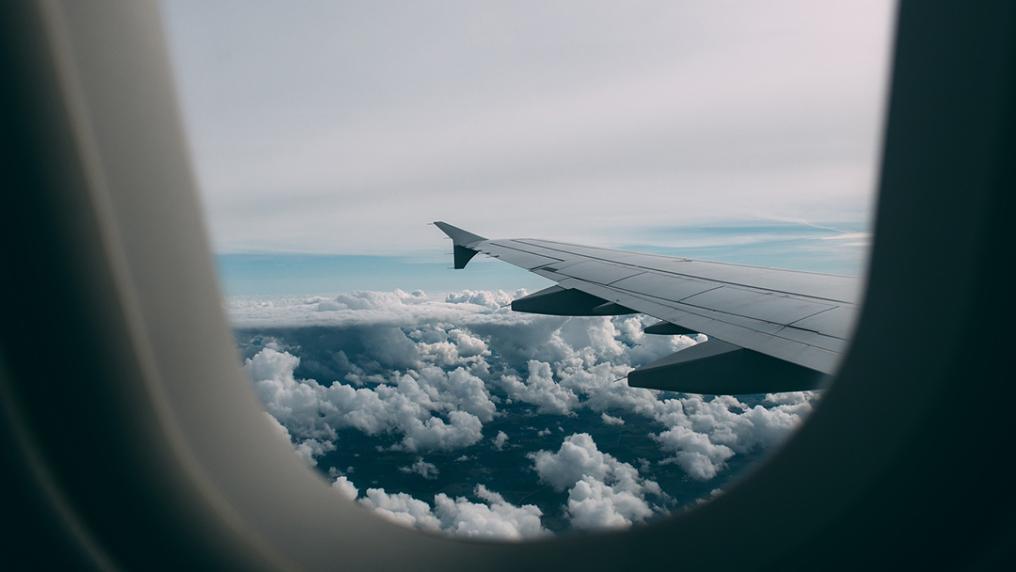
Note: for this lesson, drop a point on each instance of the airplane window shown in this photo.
(732, 147)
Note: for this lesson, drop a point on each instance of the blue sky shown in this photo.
(836, 250)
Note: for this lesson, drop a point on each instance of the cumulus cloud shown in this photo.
(422, 468)
(346, 488)
(603, 492)
(594, 504)
(491, 517)
(494, 517)
(430, 408)
(704, 434)
(694, 452)
(401, 508)
(539, 389)
(500, 440)
(432, 371)
(611, 420)
(578, 457)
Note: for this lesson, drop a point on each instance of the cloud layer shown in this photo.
(430, 375)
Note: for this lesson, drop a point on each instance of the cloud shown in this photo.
(430, 408)
(676, 103)
(500, 440)
(594, 504)
(401, 508)
(371, 308)
(603, 492)
(694, 452)
(433, 371)
(424, 469)
(578, 457)
(539, 389)
(346, 488)
(611, 420)
(704, 434)
(491, 517)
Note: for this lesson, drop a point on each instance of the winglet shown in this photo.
(458, 236)
(462, 239)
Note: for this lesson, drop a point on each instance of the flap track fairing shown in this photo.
(718, 368)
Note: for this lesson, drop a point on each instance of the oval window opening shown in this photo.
(723, 155)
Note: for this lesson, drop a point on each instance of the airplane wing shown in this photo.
(769, 330)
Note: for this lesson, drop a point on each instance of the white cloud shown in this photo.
(422, 468)
(694, 452)
(363, 308)
(594, 504)
(401, 508)
(461, 430)
(492, 517)
(486, 298)
(703, 435)
(602, 491)
(539, 389)
(412, 405)
(500, 440)
(346, 487)
(611, 420)
(432, 371)
(578, 457)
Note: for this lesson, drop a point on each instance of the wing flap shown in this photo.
(715, 367)
(663, 328)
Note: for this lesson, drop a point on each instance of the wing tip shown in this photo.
(458, 235)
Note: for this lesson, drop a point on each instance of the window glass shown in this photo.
(326, 135)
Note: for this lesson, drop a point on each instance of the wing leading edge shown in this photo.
(769, 330)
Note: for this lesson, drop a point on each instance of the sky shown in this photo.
(345, 127)
(326, 135)
(842, 250)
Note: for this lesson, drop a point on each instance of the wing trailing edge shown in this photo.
(558, 301)
(770, 330)
(718, 368)
(668, 329)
